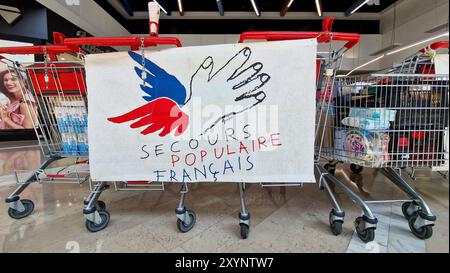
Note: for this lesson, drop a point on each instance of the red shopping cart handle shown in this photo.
(54, 50)
(83, 162)
(139, 182)
(132, 41)
(56, 175)
(437, 45)
(324, 36)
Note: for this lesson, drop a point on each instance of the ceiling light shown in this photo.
(255, 7)
(162, 5)
(319, 8)
(286, 7)
(356, 6)
(220, 7)
(180, 7)
(418, 43)
(399, 50)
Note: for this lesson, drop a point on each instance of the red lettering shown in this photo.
(215, 153)
(193, 161)
(175, 159)
(202, 155)
(261, 141)
(274, 138)
(242, 147)
(228, 150)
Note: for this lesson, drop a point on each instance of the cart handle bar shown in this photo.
(51, 49)
(325, 36)
(65, 45)
(132, 41)
(437, 45)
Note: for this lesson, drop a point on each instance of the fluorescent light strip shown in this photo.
(359, 6)
(220, 7)
(365, 64)
(319, 9)
(255, 7)
(399, 50)
(290, 3)
(417, 43)
(161, 7)
(180, 6)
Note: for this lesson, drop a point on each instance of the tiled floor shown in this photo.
(290, 219)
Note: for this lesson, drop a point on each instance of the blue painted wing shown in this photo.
(159, 83)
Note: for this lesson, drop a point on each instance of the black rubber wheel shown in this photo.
(245, 230)
(336, 227)
(101, 205)
(424, 232)
(29, 207)
(182, 226)
(405, 207)
(93, 227)
(356, 169)
(367, 235)
(330, 168)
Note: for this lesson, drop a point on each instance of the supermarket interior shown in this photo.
(224, 126)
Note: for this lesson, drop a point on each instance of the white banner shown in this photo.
(228, 113)
(441, 64)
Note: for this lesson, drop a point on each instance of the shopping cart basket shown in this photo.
(51, 92)
(59, 98)
(390, 122)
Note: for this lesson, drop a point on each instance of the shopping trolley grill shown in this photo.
(328, 63)
(48, 87)
(58, 93)
(390, 122)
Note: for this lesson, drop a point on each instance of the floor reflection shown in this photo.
(12, 160)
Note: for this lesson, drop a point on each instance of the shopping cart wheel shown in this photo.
(424, 232)
(245, 230)
(405, 207)
(336, 227)
(29, 207)
(336, 220)
(101, 205)
(182, 226)
(356, 169)
(366, 235)
(93, 227)
(330, 168)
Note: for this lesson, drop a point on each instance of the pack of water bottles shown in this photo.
(72, 121)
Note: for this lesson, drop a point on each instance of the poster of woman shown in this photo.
(17, 105)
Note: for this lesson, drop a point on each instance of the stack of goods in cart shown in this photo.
(72, 120)
(389, 119)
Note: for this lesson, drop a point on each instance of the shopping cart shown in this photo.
(50, 89)
(390, 122)
(59, 98)
(97, 217)
(326, 71)
(423, 62)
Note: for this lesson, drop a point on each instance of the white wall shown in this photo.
(414, 18)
